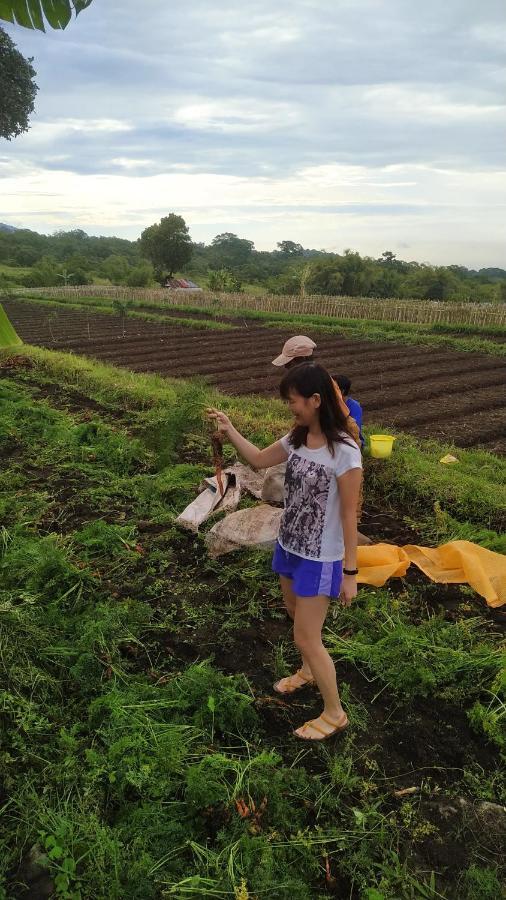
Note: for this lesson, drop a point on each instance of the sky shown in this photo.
(334, 123)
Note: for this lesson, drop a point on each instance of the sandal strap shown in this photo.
(311, 724)
(329, 721)
(300, 674)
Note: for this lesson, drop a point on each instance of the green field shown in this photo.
(143, 752)
(14, 274)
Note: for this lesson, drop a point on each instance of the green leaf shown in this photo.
(56, 852)
(69, 866)
(61, 882)
(8, 337)
(36, 14)
(6, 12)
(57, 12)
(21, 14)
(31, 13)
(79, 5)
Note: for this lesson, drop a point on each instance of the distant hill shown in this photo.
(4, 227)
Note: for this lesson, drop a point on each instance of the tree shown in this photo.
(325, 277)
(140, 276)
(290, 248)
(386, 282)
(115, 268)
(17, 89)
(44, 274)
(229, 251)
(31, 13)
(432, 283)
(168, 245)
(387, 257)
(501, 291)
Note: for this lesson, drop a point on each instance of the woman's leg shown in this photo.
(289, 598)
(310, 614)
(287, 685)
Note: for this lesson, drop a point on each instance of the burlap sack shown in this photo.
(254, 527)
(273, 488)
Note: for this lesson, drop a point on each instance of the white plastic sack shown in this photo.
(201, 508)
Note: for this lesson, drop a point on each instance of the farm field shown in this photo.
(457, 398)
(142, 746)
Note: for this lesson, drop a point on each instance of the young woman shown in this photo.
(318, 528)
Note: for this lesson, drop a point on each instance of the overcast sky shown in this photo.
(336, 123)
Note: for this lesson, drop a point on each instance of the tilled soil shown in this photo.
(448, 395)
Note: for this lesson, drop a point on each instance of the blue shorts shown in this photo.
(310, 577)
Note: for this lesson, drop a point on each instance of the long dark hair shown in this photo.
(306, 380)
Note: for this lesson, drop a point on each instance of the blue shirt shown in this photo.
(356, 413)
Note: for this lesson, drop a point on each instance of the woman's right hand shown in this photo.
(223, 422)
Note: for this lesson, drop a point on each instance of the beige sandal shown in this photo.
(291, 686)
(336, 728)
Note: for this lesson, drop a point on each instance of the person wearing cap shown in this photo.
(295, 350)
(299, 349)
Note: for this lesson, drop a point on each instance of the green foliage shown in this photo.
(18, 88)
(480, 883)
(440, 527)
(45, 273)
(475, 494)
(139, 773)
(165, 429)
(227, 251)
(115, 268)
(223, 280)
(99, 538)
(8, 336)
(140, 276)
(490, 717)
(33, 13)
(453, 661)
(167, 245)
(99, 443)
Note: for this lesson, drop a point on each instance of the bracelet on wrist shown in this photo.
(350, 571)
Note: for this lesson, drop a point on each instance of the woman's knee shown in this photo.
(305, 641)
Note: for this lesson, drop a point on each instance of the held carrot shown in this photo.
(217, 445)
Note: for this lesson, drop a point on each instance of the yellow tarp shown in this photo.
(458, 562)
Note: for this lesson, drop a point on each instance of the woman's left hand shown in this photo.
(348, 589)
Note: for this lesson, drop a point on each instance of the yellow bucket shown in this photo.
(381, 445)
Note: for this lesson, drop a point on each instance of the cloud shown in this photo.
(381, 115)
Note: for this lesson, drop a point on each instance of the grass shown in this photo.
(141, 750)
(14, 274)
(474, 492)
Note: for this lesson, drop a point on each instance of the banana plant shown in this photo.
(8, 337)
(35, 14)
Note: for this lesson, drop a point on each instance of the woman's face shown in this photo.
(304, 409)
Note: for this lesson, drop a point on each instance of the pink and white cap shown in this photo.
(300, 345)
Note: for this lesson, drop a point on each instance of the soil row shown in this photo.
(452, 396)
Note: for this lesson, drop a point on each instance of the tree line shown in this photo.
(231, 263)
